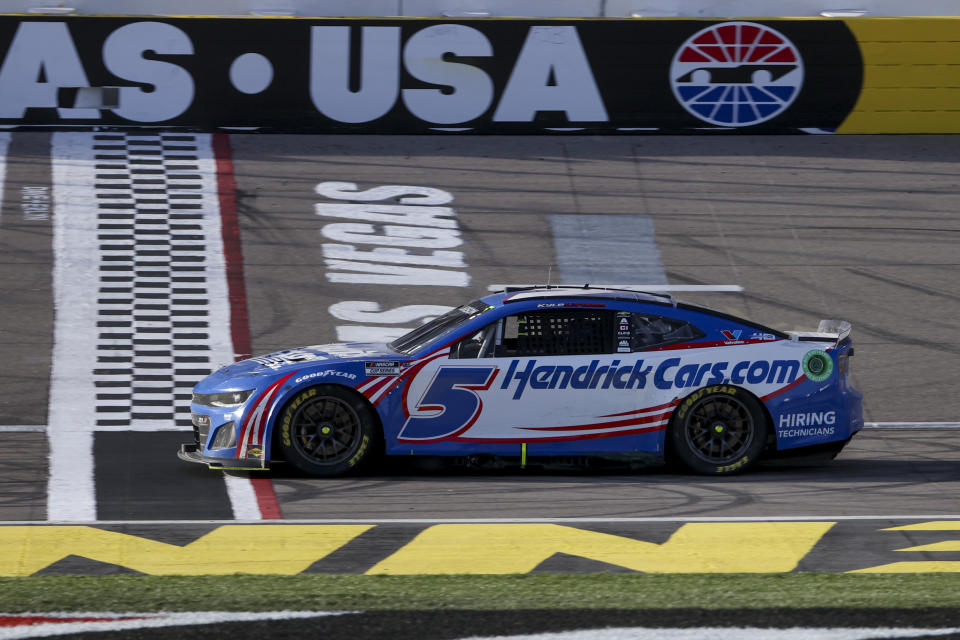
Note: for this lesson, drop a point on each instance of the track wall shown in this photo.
(866, 75)
(911, 76)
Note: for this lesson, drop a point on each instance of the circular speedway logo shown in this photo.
(736, 74)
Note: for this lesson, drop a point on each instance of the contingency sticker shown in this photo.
(382, 368)
(624, 333)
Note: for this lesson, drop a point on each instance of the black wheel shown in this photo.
(327, 430)
(718, 430)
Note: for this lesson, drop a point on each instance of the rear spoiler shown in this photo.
(828, 331)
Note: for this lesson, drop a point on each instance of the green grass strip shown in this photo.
(539, 591)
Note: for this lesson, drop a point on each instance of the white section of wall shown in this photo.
(491, 8)
(211, 7)
(757, 8)
(501, 8)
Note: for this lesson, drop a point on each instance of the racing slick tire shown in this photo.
(327, 431)
(718, 430)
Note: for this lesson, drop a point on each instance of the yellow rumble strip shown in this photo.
(859, 546)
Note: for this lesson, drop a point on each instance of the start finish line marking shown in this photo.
(140, 295)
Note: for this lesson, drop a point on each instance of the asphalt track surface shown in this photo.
(859, 228)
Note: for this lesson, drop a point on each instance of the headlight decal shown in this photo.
(222, 400)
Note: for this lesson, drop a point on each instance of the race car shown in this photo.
(539, 373)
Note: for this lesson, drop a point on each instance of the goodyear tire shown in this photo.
(718, 430)
(327, 431)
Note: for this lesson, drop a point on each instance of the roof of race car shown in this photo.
(518, 293)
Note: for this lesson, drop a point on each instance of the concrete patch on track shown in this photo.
(649, 546)
(603, 249)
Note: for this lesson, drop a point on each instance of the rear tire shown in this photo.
(327, 431)
(718, 430)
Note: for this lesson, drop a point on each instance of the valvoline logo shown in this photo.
(736, 74)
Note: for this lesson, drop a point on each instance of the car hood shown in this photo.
(290, 360)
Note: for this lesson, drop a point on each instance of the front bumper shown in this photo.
(191, 452)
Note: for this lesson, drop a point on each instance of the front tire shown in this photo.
(327, 431)
(718, 430)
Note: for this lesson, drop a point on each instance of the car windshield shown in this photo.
(439, 327)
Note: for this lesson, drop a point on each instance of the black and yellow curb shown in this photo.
(859, 546)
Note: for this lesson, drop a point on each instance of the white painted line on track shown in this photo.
(4, 144)
(70, 488)
(91, 622)
(586, 520)
(722, 288)
(911, 425)
(23, 428)
(729, 633)
(243, 499)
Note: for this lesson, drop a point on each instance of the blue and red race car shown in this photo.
(539, 373)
